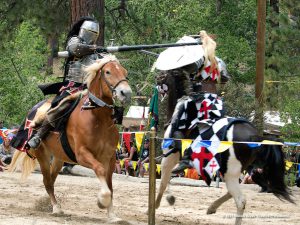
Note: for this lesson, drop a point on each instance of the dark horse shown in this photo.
(233, 161)
(92, 134)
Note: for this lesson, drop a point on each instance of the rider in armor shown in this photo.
(208, 85)
(81, 45)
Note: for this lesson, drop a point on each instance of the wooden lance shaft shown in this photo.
(125, 48)
(152, 178)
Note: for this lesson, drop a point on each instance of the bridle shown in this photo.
(97, 101)
(110, 86)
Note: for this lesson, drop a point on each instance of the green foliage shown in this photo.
(161, 21)
(239, 99)
(25, 26)
(28, 52)
(283, 57)
(290, 112)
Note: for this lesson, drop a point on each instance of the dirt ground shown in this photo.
(27, 203)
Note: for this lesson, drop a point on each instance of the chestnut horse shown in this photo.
(92, 134)
(232, 162)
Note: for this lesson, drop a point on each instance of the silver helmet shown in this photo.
(89, 31)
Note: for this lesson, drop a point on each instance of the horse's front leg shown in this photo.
(110, 210)
(86, 159)
(167, 164)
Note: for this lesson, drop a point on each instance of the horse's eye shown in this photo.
(107, 72)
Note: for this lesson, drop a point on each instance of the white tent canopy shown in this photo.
(134, 116)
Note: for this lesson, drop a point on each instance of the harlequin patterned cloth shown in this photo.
(205, 114)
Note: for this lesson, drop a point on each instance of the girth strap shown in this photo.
(66, 146)
(63, 137)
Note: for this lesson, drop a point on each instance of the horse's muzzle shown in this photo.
(124, 95)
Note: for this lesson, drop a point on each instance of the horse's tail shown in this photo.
(23, 162)
(274, 171)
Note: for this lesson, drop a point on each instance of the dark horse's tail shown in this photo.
(272, 177)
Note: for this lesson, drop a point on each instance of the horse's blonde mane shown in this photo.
(92, 69)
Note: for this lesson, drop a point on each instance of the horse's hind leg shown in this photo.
(167, 164)
(233, 187)
(44, 159)
(56, 166)
(216, 204)
(232, 182)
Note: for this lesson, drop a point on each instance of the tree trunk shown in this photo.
(275, 5)
(94, 8)
(260, 63)
(53, 46)
(219, 4)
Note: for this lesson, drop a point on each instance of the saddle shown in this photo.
(38, 114)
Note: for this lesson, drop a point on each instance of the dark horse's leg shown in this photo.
(231, 177)
(216, 204)
(49, 176)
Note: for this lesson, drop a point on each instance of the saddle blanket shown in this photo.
(198, 108)
(25, 131)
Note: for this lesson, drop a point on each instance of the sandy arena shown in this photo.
(27, 203)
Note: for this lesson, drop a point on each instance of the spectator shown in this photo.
(256, 176)
(133, 156)
(118, 169)
(295, 158)
(2, 128)
(144, 158)
(6, 152)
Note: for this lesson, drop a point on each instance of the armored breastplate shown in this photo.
(76, 71)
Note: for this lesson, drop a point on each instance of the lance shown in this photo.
(125, 48)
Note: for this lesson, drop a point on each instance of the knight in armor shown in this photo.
(81, 46)
(208, 85)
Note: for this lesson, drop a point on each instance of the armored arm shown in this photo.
(76, 48)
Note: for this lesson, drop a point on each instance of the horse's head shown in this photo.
(107, 79)
(174, 82)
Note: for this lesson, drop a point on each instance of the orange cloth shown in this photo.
(192, 174)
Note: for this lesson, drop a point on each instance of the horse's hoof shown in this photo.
(100, 205)
(114, 220)
(171, 199)
(211, 211)
(57, 211)
(104, 200)
(146, 212)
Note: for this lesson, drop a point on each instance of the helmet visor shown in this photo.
(90, 37)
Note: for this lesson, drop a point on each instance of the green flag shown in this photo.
(153, 109)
